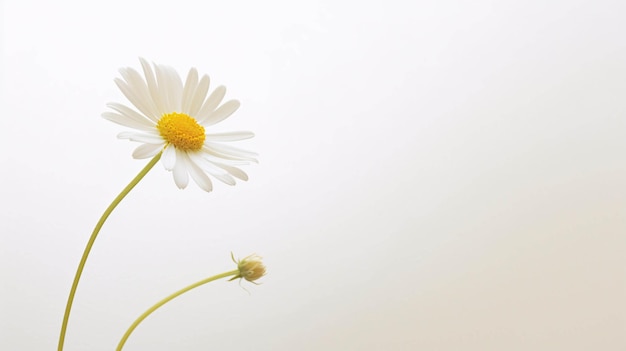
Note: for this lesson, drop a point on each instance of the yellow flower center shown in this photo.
(182, 131)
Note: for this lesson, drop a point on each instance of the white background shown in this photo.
(445, 175)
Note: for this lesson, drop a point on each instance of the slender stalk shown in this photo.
(92, 239)
(168, 299)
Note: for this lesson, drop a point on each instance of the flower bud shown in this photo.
(250, 268)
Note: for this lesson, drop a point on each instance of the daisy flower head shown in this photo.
(173, 117)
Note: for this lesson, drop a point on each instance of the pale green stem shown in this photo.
(168, 299)
(92, 239)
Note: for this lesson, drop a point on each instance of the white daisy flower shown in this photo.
(172, 118)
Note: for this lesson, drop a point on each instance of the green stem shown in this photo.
(92, 239)
(168, 299)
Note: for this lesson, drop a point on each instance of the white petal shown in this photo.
(181, 178)
(125, 121)
(223, 112)
(225, 178)
(206, 165)
(212, 169)
(170, 87)
(199, 176)
(126, 135)
(132, 114)
(217, 157)
(134, 98)
(176, 88)
(147, 138)
(189, 89)
(146, 150)
(234, 171)
(230, 151)
(169, 157)
(199, 95)
(211, 103)
(162, 83)
(212, 157)
(153, 87)
(224, 157)
(230, 136)
(138, 85)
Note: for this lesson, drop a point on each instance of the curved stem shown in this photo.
(92, 239)
(168, 299)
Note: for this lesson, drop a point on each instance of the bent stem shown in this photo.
(168, 299)
(92, 239)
